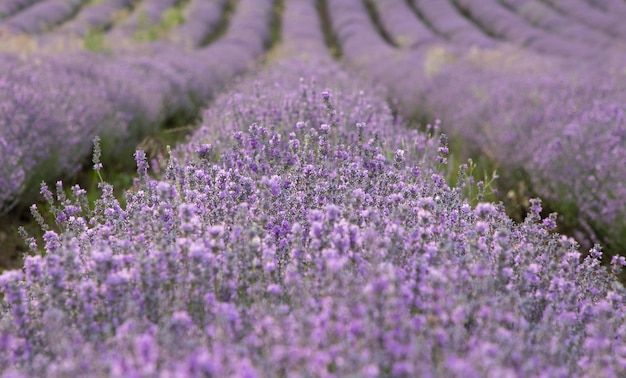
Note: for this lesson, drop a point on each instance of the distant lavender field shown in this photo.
(307, 227)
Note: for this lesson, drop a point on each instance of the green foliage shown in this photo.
(276, 25)
(476, 178)
(94, 41)
(147, 31)
(172, 18)
(479, 184)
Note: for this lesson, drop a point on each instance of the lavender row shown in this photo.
(364, 49)
(445, 19)
(402, 24)
(53, 109)
(93, 18)
(354, 29)
(41, 17)
(504, 24)
(301, 250)
(201, 20)
(615, 7)
(211, 67)
(144, 16)
(293, 99)
(581, 11)
(301, 32)
(498, 107)
(542, 15)
(10, 7)
(565, 129)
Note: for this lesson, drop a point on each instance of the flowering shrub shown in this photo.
(303, 229)
(402, 24)
(546, 17)
(41, 17)
(504, 24)
(585, 13)
(143, 17)
(301, 33)
(611, 6)
(565, 128)
(299, 249)
(52, 107)
(94, 17)
(283, 99)
(201, 19)
(521, 109)
(47, 114)
(447, 21)
(10, 7)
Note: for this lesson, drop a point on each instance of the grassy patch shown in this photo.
(148, 31)
(94, 41)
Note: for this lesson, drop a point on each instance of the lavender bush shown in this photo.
(91, 18)
(41, 17)
(565, 128)
(302, 34)
(503, 23)
(448, 22)
(47, 113)
(583, 12)
(520, 109)
(140, 21)
(402, 24)
(201, 20)
(546, 17)
(10, 7)
(48, 124)
(610, 6)
(296, 250)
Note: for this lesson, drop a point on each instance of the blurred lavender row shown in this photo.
(41, 17)
(402, 24)
(300, 249)
(445, 19)
(566, 130)
(10, 7)
(544, 16)
(144, 16)
(302, 32)
(201, 20)
(524, 110)
(53, 107)
(615, 7)
(504, 24)
(94, 17)
(583, 12)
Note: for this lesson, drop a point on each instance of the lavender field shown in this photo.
(360, 188)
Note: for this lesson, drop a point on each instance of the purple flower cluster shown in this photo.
(48, 114)
(560, 120)
(347, 109)
(294, 246)
(565, 130)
